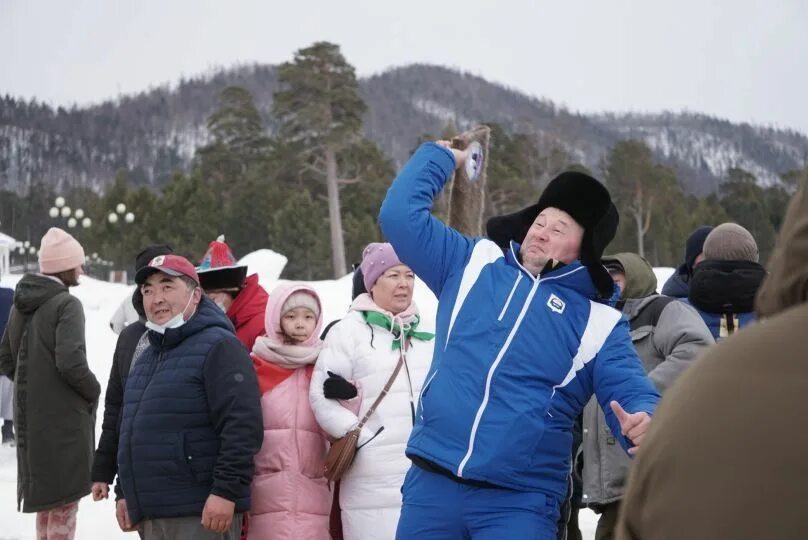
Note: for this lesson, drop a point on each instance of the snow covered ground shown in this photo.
(96, 520)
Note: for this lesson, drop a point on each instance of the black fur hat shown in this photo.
(588, 202)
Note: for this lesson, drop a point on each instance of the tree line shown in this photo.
(312, 190)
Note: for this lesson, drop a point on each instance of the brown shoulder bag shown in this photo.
(342, 452)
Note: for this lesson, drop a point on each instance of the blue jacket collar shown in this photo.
(572, 276)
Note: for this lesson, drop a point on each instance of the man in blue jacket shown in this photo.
(191, 420)
(523, 340)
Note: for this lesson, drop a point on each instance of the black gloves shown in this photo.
(336, 387)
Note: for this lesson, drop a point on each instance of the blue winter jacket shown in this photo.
(191, 420)
(516, 357)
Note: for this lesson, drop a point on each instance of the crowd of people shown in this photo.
(534, 396)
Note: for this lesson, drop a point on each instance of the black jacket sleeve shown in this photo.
(105, 461)
(235, 411)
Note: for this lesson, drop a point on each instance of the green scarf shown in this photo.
(383, 321)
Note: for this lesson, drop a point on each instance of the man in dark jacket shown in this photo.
(679, 283)
(668, 335)
(724, 285)
(131, 342)
(191, 420)
(43, 351)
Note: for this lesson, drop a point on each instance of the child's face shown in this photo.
(298, 324)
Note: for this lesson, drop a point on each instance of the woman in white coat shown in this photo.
(359, 355)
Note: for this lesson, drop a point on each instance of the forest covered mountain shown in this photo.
(158, 131)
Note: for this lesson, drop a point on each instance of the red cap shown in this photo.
(173, 265)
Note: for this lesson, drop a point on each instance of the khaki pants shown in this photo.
(188, 528)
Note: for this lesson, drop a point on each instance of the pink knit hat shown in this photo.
(376, 260)
(59, 252)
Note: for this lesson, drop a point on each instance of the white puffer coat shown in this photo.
(370, 491)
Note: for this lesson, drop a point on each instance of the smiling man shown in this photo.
(524, 338)
(191, 420)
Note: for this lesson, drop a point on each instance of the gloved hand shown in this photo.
(336, 387)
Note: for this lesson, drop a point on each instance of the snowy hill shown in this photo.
(156, 132)
(96, 520)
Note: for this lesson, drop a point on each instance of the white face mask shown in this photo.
(221, 306)
(175, 322)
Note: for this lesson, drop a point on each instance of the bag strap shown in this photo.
(384, 391)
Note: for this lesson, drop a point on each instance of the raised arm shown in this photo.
(423, 242)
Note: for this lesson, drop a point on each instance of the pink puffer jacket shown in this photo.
(290, 495)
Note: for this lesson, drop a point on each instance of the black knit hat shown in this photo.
(590, 205)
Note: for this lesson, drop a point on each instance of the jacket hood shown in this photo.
(640, 278)
(33, 290)
(250, 302)
(272, 318)
(678, 284)
(725, 286)
(787, 283)
(207, 315)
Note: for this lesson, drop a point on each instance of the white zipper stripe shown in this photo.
(493, 367)
(510, 296)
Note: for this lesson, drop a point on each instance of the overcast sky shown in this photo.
(739, 59)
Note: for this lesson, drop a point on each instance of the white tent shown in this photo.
(7, 245)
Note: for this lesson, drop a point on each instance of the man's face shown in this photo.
(553, 235)
(166, 296)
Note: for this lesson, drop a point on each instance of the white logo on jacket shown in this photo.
(556, 304)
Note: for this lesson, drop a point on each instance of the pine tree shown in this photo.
(319, 110)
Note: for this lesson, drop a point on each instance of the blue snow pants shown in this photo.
(436, 507)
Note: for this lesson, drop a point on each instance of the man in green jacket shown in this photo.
(43, 351)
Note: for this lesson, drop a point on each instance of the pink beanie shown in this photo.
(376, 260)
(59, 252)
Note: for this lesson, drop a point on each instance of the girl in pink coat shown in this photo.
(290, 495)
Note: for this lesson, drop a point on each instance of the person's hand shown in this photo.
(100, 491)
(122, 514)
(633, 425)
(217, 516)
(459, 155)
(337, 387)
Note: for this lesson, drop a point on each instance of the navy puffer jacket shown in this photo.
(191, 420)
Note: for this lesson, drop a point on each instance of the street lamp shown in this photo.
(59, 202)
(121, 208)
(65, 211)
(53, 212)
(72, 222)
(112, 217)
(86, 223)
(130, 217)
(79, 213)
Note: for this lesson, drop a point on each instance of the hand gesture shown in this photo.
(633, 425)
(459, 155)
